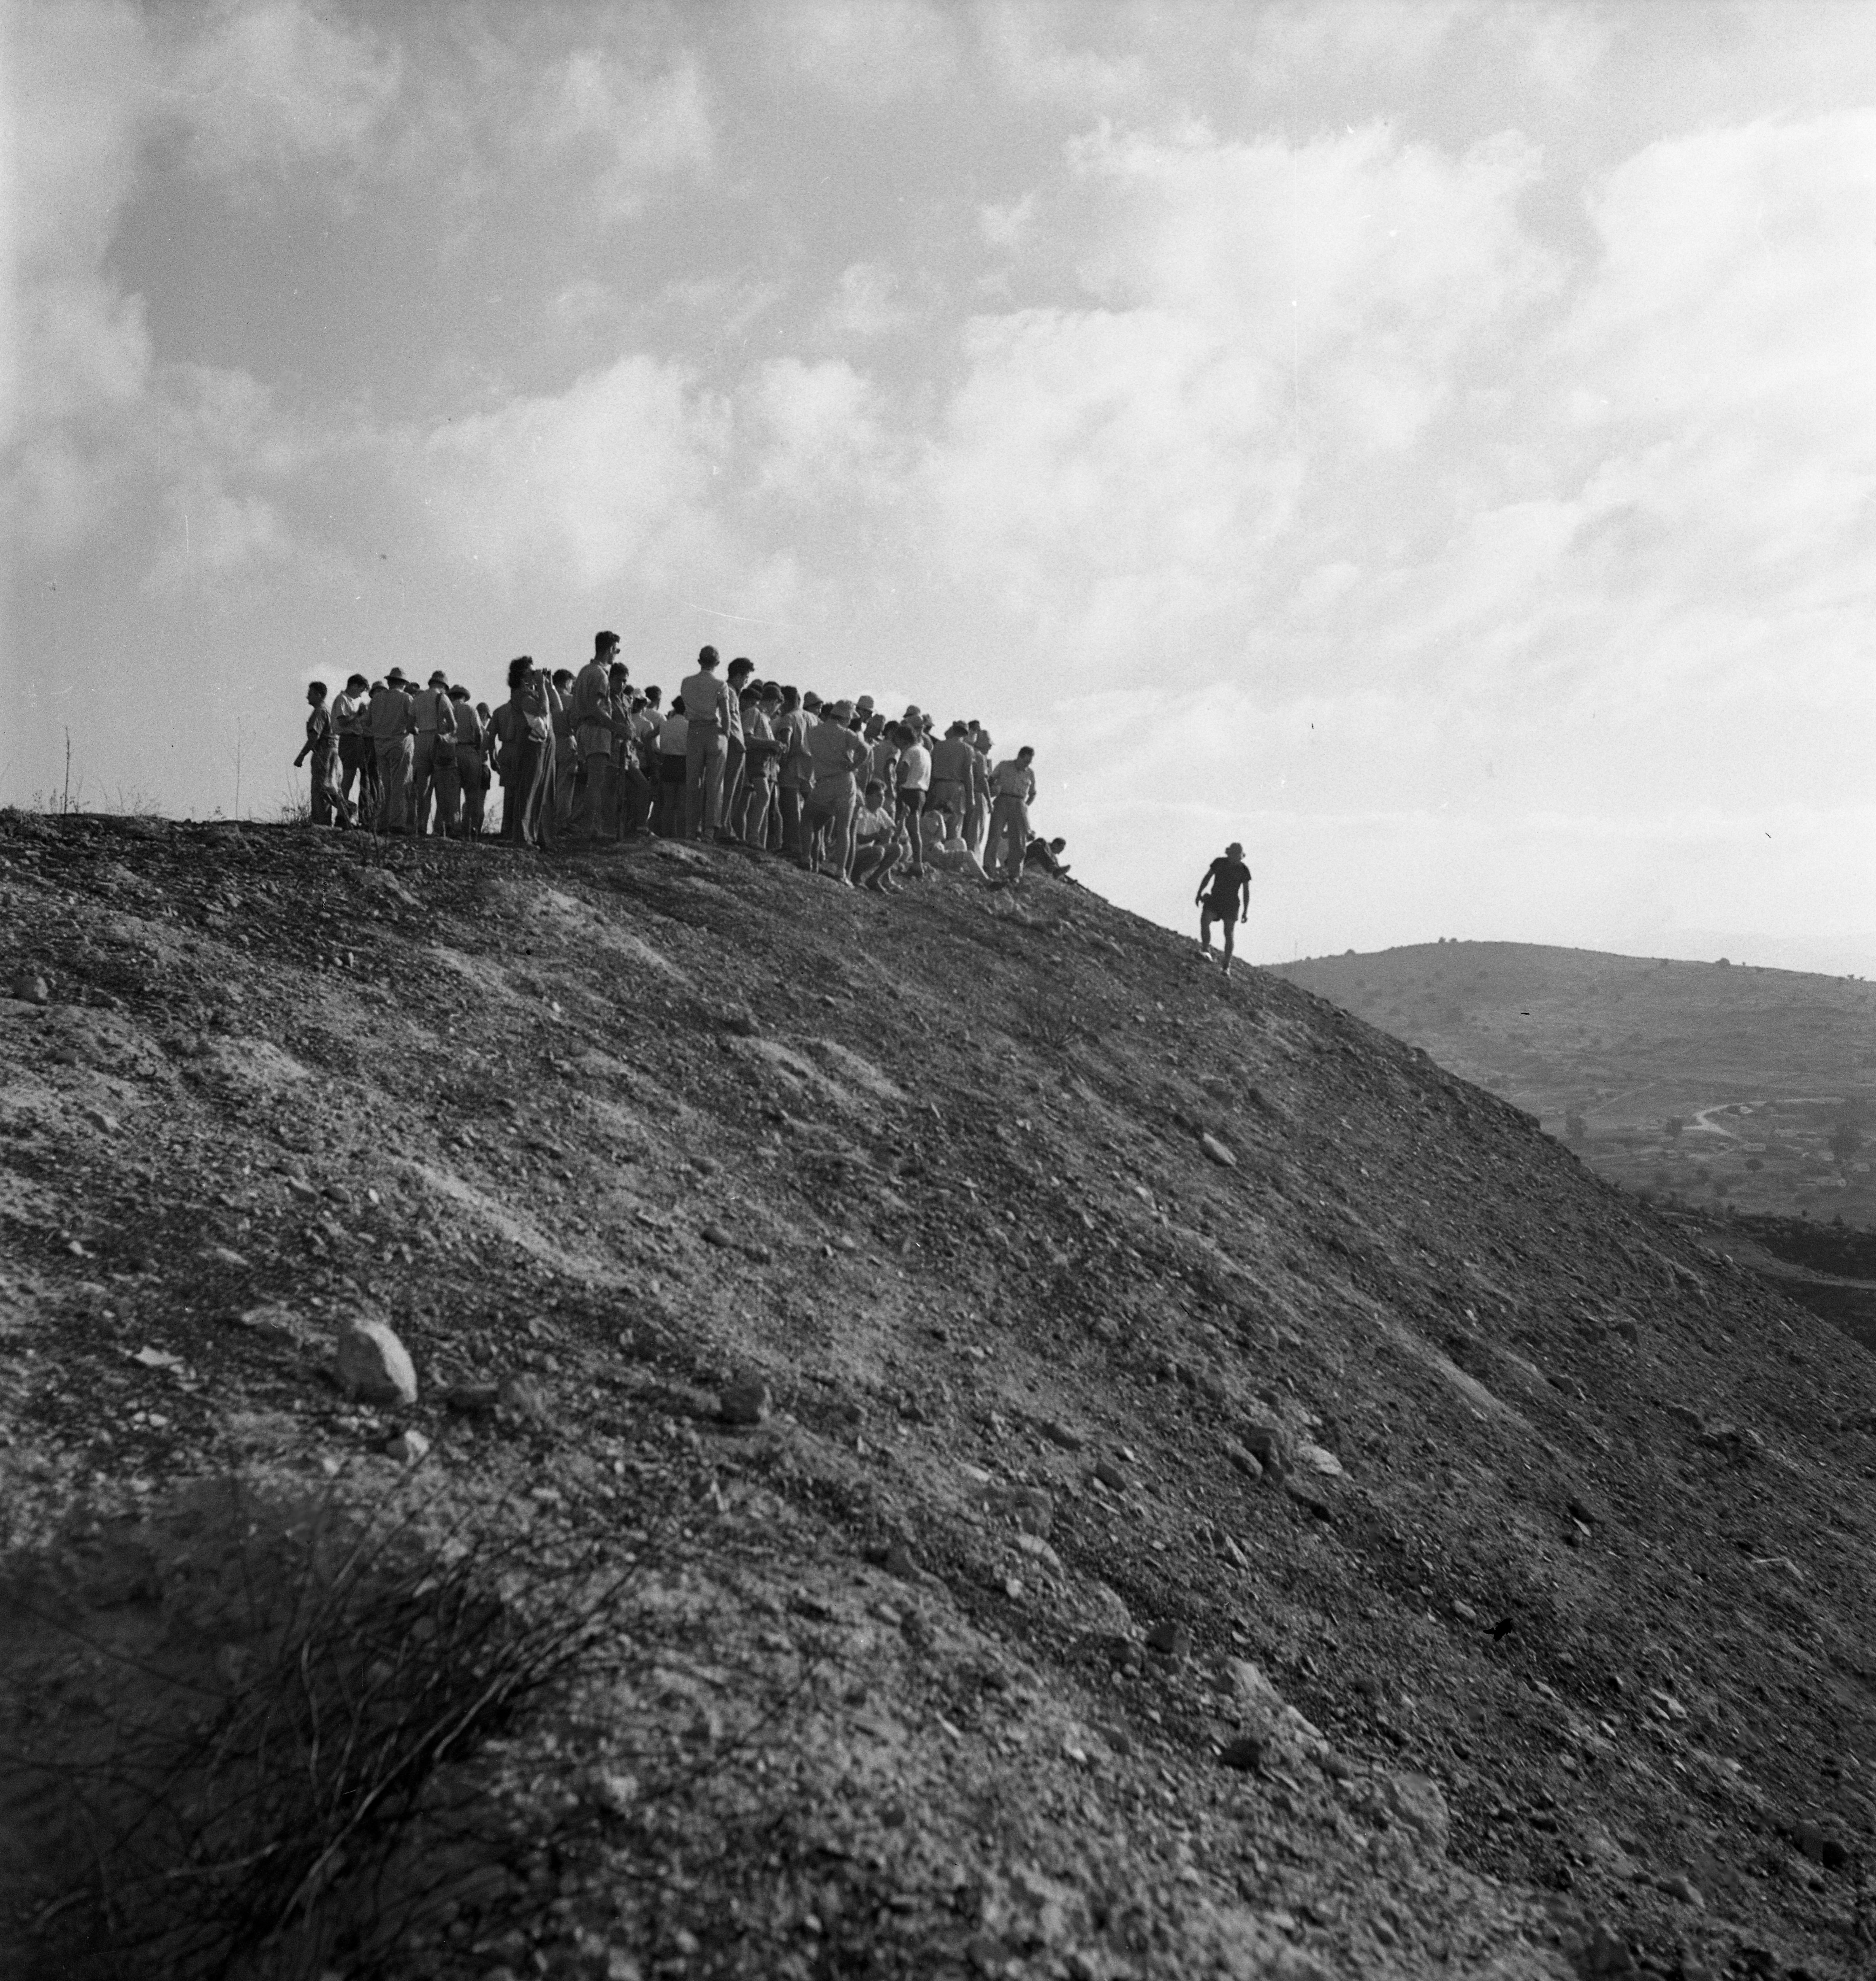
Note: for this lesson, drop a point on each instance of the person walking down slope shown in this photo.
(1224, 896)
(1012, 787)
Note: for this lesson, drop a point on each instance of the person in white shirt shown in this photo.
(1013, 788)
(877, 841)
(674, 760)
(915, 778)
(711, 711)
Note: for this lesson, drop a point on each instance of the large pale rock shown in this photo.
(1416, 1803)
(372, 1365)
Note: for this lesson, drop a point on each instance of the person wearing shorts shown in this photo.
(1224, 896)
(877, 840)
(840, 757)
(673, 769)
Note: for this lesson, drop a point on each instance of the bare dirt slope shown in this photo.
(1542, 1644)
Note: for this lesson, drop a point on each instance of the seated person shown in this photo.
(1046, 855)
(876, 841)
(949, 853)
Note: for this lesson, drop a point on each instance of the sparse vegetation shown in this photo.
(233, 1781)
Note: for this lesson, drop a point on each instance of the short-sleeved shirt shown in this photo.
(838, 753)
(1227, 882)
(390, 715)
(1013, 780)
(951, 761)
(348, 714)
(319, 730)
(592, 693)
(707, 698)
(674, 735)
(915, 769)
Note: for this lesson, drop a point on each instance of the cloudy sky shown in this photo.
(1434, 444)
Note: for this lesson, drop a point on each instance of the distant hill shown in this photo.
(1719, 1083)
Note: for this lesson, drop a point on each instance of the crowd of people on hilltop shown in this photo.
(836, 786)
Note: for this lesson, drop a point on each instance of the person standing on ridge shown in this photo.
(710, 716)
(1224, 896)
(393, 728)
(1013, 784)
(592, 714)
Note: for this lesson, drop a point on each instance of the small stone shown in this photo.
(715, 1234)
(523, 1398)
(1819, 1846)
(473, 1400)
(408, 1447)
(1218, 1152)
(1307, 1498)
(1245, 1753)
(898, 1561)
(1064, 1435)
(1034, 1544)
(1244, 1461)
(1110, 1475)
(31, 988)
(1464, 1610)
(304, 1191)
(743, 1404)
(1268, 1443)
(106, 1124)
(1319, 1459)
(372, 1365)
(1169, 1639)
(1677, 1887)
(1336, 1766)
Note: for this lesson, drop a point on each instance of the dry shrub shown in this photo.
(222, 1725)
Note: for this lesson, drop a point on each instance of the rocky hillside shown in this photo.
(1050, 1462)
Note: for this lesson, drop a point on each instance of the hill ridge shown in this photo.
(1230, 1495)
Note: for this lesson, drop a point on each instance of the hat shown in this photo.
(841, 711)
(439, 679)
(863, 707)
(395, 678)
(913, 714)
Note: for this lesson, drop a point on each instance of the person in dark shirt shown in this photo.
(1224, 896)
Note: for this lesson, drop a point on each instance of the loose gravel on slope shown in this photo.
(1541, 1646)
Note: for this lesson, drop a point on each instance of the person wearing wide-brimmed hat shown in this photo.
(1224, 896)
(393, 727)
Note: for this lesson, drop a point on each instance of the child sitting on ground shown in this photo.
(876, 841)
